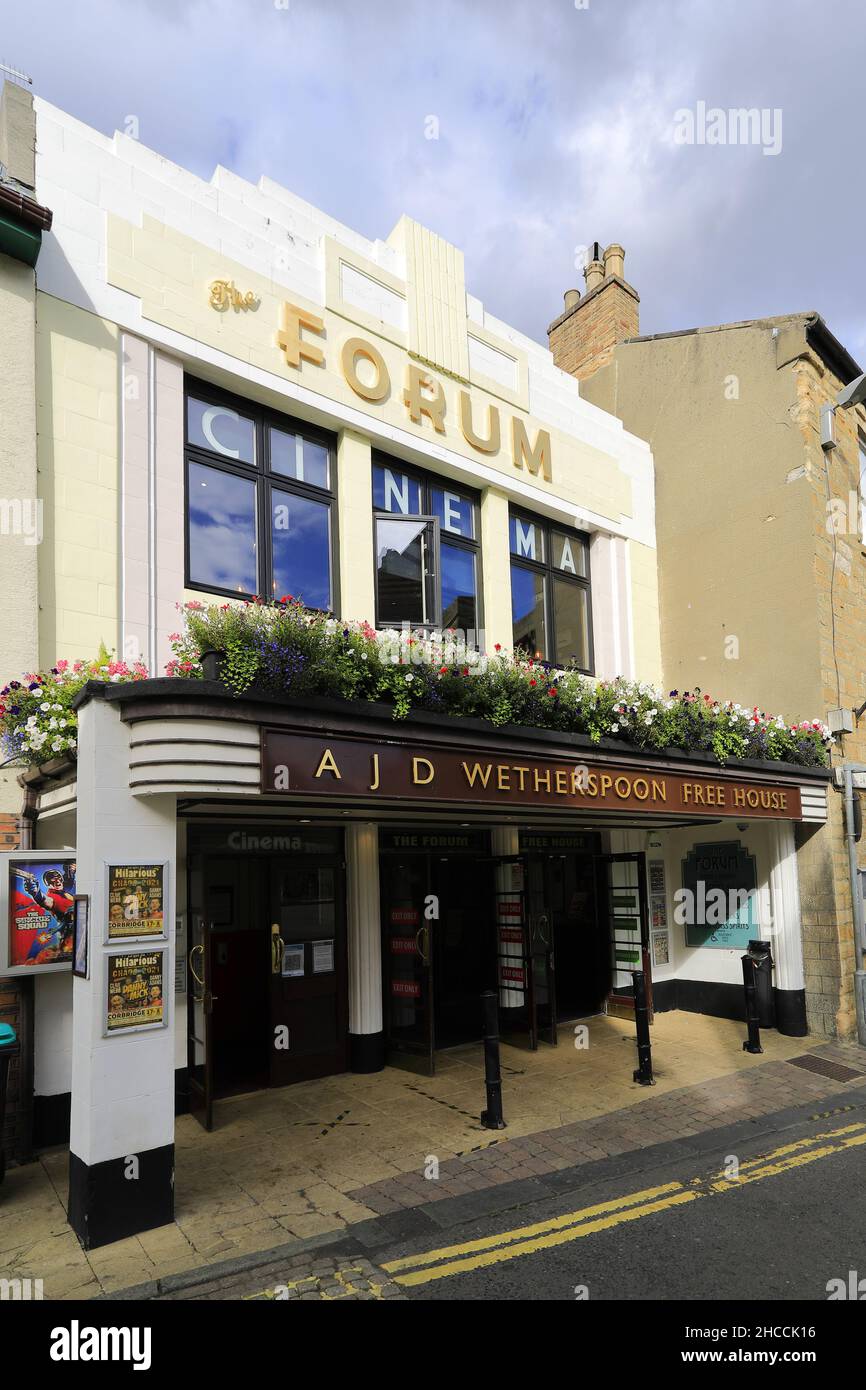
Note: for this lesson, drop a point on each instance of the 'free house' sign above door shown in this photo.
(345, 767)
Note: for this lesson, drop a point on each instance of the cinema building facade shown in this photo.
(238, 396)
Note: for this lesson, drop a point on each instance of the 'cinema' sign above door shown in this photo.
(345, 767)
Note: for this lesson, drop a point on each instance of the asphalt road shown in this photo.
(789, 1224)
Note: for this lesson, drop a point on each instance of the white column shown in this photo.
(787, 943)
(366, 1038)
(121, 1164)
(613, 637)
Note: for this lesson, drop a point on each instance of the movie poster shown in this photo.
(136, 990)
(41, 900)
(136, 900)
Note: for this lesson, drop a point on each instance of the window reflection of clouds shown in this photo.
(301, 549)
(222, 529)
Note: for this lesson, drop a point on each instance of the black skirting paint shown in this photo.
(700, 997)
(791, 1012)
(366, 1052)
(105, 1204)
(728, 1001)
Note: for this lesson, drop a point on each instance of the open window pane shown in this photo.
(301, 542)
(394, 491)
(221, 430)
(571, 624)
(402, 570)
(293, 456)
(529, 627)
(222, 530)
(459, 588)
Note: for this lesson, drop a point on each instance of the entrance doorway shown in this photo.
(555, 930)
(438, 943)
(267, 992)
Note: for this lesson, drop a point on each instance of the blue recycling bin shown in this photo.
(8, 1050)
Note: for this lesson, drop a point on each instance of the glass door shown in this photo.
(407, 965)
(513, 900)
(540, 923)
(622, 904)
(307, 964)
(198, 1021)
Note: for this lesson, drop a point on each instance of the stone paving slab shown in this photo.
(313, 1162)
(418, 1228)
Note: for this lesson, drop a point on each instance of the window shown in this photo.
(259, 509)
(550, 598)
(427, 551)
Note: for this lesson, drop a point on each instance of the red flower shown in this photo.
(498, 647)
(443, 670)
(533, 682)
(553, 690)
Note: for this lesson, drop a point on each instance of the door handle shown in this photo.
(198, 979)
(423, 950)
(278, 947)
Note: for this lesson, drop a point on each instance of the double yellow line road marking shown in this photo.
(603, 1216)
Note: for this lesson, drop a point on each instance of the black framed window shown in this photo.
(260, 506)
(551, 608)
(428, 556)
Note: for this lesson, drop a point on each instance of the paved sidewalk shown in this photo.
(312, 1160)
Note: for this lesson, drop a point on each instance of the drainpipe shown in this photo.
(856, 901)
(27, 819)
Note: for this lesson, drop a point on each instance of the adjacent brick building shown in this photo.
(762, 561)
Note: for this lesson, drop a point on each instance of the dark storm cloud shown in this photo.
(555, 127)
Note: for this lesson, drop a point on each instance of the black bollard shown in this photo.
(753, 1042)
(644, 1072)
(491, 1118)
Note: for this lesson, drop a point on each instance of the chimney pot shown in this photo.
(614, 261)
(593, 274)
(584, 338)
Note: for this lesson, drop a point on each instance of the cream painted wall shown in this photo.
(77, 415)
(170, 274)
(496, 569)
(20, 523)
(355, 525)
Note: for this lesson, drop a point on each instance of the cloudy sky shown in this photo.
(555, 124)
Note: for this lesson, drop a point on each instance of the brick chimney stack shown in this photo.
(584, 336)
